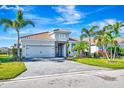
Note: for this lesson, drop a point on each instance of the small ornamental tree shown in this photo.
(81, 47)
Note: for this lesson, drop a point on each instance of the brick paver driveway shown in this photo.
(49, 67)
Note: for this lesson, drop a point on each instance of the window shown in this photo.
(62, 35)
(72, 45)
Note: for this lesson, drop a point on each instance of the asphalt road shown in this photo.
(90, 79)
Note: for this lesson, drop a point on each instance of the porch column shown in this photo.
(64, 50)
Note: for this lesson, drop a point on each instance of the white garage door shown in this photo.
(40, 51)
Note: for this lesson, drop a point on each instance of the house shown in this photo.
(120, 41)
(4, 50)
(93, 46)
(47, 44)
(50, 44)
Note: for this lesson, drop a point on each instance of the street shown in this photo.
(90, 79)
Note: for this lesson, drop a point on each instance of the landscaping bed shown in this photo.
(10, 70)
(117, 64)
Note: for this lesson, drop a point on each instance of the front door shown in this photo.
(60, 50)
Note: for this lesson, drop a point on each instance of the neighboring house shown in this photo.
(4, 50)
(94, 48)
(120, 41)
(47, 44)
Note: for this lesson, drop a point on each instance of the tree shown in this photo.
(111, 42)
(16, 24)
(116, 29)
(107, 38)
(82, 36)
(89, 33)
(81, 47)
(67, 49)
(102, 39)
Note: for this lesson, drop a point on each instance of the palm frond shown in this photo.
(5, 21)
(27, 22)
(19, 15)
(93, 28)
(86, 31)
(82, 36)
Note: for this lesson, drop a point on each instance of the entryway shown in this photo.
(60, 49)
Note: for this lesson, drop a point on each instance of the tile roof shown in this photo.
(43, 35)
(87, 40)
(73, 39)
(61, 30)
(120, 39)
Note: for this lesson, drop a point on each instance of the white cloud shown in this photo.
(29, 8)
(11, 8)
(68, 14)
(104, 22)
(122, 30)
(38, 19)
(97, 10)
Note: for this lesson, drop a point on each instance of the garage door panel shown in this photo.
(40, 51)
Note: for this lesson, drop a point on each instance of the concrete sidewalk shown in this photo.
(98, 79)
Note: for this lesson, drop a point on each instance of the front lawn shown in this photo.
(5, 58)
(11, 69)
(119, 64)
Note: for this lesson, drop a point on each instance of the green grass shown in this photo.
(119, 64)
(5, 58)
(10, 70)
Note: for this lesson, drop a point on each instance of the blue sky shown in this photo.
(72, 18)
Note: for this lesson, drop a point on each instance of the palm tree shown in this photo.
(89, 33)
(16, 24)
(82, 36)
(107, 38)
(111, 40)
(102, 40)
(116, 29)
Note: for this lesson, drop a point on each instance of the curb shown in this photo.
(53, 75)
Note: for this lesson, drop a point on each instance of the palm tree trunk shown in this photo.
(66, 51)
(114, 53)
(106, 53)
(111, 53)
(90, 46)
(18, 46)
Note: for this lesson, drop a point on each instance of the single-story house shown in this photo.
(47, 44)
